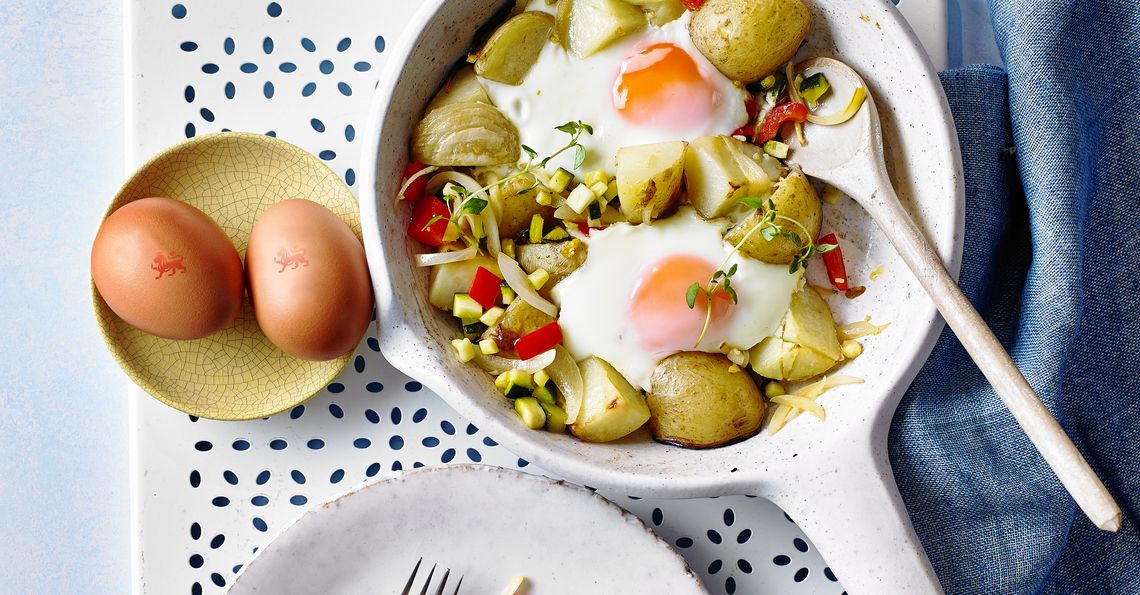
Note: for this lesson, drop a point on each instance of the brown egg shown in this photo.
(308, 280)
(167, 269)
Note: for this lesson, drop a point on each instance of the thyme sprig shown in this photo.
(474, 202)
(769, 229)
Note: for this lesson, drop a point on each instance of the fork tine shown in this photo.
(457, 585)
(443, 583)
(408, 586)
(427, 582)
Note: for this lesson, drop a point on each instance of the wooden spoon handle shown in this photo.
(987, 352)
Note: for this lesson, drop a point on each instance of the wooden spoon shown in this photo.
(849, 156)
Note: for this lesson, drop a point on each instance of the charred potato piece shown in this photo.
(749, 39)
(611, 406)
(558, 258)
(462, 87)
(696, 401)
(466, 134)
(586, 27)
(795, 198)
(649, 179)
(514, 47)
(520, 319)
(518, 209)
(456, 277)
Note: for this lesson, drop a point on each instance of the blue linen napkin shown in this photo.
(1052, 260)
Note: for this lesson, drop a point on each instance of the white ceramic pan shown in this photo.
(833, 478)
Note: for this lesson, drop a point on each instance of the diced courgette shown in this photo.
(531, 412)
(555, 417)
(518, 384)
(465, 307)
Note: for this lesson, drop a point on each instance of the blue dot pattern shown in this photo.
(273, 470)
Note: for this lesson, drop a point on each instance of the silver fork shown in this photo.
(427, 583)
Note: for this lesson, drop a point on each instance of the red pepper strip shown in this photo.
(427, 208)
(585, 229)
(416, 190)
(485, 287)
(785, 112)
(746, 131)
(539, 341)
(751, 107)
(693, 4)
(836, 270)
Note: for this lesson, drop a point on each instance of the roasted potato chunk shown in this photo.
(456, 277)
(466, 134)
(462, 87)
(806, 344)
(520, 319)
(696, 401)
(795, 198)
(611, 406)
(719, 171)
(514, 47)
(558, 258)
(518, 209)
(586, 27)
(749, 39)
(649, 179)
(661, 11)
(778, 359)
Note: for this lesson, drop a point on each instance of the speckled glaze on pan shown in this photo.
(832, 477)
(563, 538)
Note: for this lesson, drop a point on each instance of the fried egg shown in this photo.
(648, 87)
(627, 304)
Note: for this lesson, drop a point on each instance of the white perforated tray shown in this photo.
(206, 494)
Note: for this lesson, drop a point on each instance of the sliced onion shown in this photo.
(518, 281)
(494, 363)
(411, 180)
(491, 228)
(567, 376)
(860, 329)
(836, 68)
(848, 112)
(438, 258)
(802, 403)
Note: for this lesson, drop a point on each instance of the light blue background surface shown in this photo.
(64, 493)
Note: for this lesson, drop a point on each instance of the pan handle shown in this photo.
(854, 515)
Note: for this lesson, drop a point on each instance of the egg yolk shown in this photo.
(659, 311)
(661, 85)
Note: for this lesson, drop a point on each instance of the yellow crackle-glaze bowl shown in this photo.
(237, 373)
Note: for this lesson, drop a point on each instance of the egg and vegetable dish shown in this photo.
(615, 228)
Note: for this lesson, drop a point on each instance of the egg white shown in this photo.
(561, 88)
(594, 299)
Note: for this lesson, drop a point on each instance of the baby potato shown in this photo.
(519, 209)
(611, 406)
(749, 39)
(795, 198)
(514, 47)
(809, 323)
(585, 27)
(696, 401)
(557, 258)
(718, 173)
(519, 319)
(661, 12)
(649, 178)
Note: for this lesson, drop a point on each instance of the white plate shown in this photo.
(485, 523)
